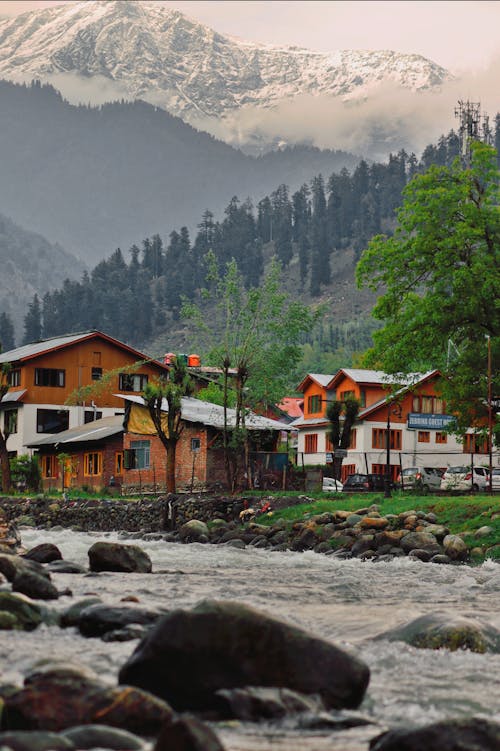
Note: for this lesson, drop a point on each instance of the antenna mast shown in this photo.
(473, 127)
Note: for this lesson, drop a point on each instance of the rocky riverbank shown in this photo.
(364, 533)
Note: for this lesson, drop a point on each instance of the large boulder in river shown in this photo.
(189, 655)
(115, 556)
(446, 631)
(24, 614)
(420, 541)
(467, 734)
(46, 552)
(60, 696)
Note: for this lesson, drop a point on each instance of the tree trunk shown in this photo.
(4, 461)
(171, 448)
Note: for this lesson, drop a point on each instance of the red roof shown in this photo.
(292, 406)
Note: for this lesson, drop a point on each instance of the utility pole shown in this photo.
(490, 418)
(473, 127)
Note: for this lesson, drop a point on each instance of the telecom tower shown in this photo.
(473, 127)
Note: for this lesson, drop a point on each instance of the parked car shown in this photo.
(360, 483)
(330, 485)
(495, 479)
(422, 478)
(464, 478)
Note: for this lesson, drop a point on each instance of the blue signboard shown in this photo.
(421, 421)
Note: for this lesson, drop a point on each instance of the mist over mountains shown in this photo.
(93, 179)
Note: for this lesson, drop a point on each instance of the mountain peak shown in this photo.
(144, 50)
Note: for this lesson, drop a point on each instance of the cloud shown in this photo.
(93, 90)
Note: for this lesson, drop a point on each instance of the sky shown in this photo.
(457, 34)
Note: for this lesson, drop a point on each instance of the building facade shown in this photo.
(414, 415)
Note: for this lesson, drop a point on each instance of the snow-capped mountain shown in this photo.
(115, 49)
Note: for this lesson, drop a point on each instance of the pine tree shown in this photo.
(33, 322)
(7, 336)
(320, 251)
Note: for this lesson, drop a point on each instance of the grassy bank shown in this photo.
(463, 515)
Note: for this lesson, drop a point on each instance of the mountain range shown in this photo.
(102, 50)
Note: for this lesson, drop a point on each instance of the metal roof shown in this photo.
(36, 348)
(196, 410)
(13, 396)
(91, 431)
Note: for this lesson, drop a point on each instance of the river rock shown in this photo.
(10, 539)
(12, 565)
(467, 734)
(56, 697)
(65, 567)
(71, 616)
(455, 548)
(102, 736)
(46, 552)
(421, 541)
(446, 631)
(98, 619)
(115, 556)
(189, 655)
(253, 703)
(25, 740)
(187, 733)
(27, 614)
(194, 531)
(35, 586)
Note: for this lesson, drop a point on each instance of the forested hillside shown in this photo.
(95, 178)
(317, 233)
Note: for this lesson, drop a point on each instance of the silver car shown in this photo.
(420, 478)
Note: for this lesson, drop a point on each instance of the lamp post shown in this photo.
(490, 419)
(394, 409)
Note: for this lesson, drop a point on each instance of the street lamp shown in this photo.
(394, 409)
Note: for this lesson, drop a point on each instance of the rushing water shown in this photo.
(346, 601)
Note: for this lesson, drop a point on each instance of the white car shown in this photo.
(330, 485)
(461, 478)
(495, 479)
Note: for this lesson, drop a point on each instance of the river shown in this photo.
(346, 601)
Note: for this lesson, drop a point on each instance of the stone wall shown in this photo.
(155, 514)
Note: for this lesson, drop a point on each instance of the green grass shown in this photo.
(461, 514)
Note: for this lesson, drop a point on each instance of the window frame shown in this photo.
(10, 415)
(124, 379)
(14, 377)
(311, 443)
(49, 468)
(43, 376)
(141, 446)
(314, 404)
(92, 460)
(43, 411)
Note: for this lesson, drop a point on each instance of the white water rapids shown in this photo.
(346, 601)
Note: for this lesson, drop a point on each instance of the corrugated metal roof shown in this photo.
(196, 410)
(13, 396)
(309, 422)
(92, 431)
(29, 350)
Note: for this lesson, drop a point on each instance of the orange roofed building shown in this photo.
(417, 416)
(44, 375)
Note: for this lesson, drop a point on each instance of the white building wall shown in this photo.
(26, 423)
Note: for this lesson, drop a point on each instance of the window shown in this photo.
(10, 421)
(311, 443)
(140, 455)
(328, 443)
(49, 377)
(96, 374)
(424, 436)
(346, 395)
(14, 377)
(132, 381)
(52, 420)
(347, 469)
(119, 463)
(428, 405)
(352, 439)
(379, 469)
(475, 444)
(90, 415)
(195, 444)
(379, 438)
(49, 466)
(92, 464)
(441, 438)
(314, 403)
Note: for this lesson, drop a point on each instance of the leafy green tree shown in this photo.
(439, 282)
(7, 336)
(253, 336)
(171, 390)
(342, 415)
